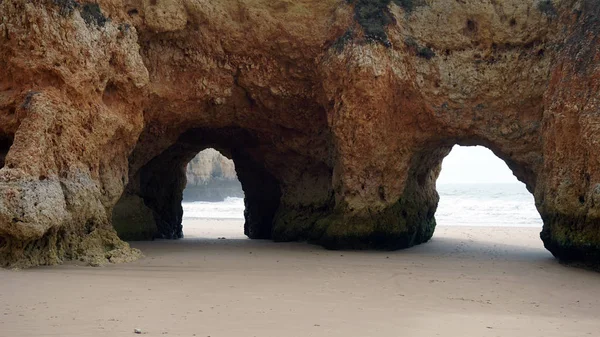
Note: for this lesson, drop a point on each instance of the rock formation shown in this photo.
(337, 114)
(211, 177)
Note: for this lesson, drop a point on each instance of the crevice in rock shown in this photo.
(471, 27)
(374, 16)
(3, 242)
(5, 144)
(547, 7)
(92, 14)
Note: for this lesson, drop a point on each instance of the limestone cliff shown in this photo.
(211, 177)
(337, 115)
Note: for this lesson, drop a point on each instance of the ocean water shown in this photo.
(230, 208)
(505, 205)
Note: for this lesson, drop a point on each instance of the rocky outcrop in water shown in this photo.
(211, 177)
(337, 115)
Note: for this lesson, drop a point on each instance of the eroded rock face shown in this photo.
(337, 115)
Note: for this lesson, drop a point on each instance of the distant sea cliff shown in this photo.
(211, 177)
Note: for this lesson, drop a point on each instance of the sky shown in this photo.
(474, 164)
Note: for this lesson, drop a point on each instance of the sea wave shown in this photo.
(230, 208)
(505, 205)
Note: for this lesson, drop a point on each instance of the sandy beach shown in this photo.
(468, 281)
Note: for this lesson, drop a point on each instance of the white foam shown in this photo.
(506, 205)
(230, 208)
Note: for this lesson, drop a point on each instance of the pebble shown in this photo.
(138, 331)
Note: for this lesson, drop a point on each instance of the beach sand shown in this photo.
(468, 281)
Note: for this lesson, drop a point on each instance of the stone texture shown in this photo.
(133, 220)
(337, 115)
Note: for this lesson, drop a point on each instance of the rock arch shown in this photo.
(346, 108)
(161, 181)
(459, 183)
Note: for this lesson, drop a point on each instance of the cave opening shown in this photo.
(213, 199)
(478, 189)
(5, 144)
(231, 178)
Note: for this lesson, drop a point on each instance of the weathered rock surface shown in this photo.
(211, 177)
(336, 113)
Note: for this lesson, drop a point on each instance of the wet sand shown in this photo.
(467, 281)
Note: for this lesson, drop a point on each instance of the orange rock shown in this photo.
(337, 115)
